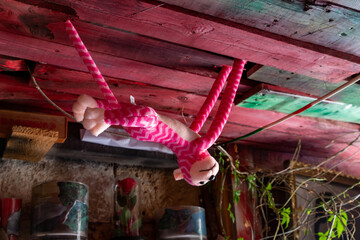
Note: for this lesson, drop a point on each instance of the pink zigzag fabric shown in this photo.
(90, 64)
(225, 106)
(211, 99)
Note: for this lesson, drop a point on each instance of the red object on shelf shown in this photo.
(9, 206)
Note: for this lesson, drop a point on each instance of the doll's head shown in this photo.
(198, 173)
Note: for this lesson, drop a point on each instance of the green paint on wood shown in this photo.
(288, 103)
(306, 84)
(257, 6)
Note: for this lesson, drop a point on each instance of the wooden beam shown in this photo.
(187, 104)
(173, 24)
(279, 99)
(330, 24)
(49, 25)
(304, 84)
(348, 4)
(17, 87)
(125, 44)
(223, 37)
(67, 57)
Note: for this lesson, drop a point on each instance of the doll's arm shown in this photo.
(130, 115)
(103, 104)
(225, 106)
(211, 99)
(97, 120)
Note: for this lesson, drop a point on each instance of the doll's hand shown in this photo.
(94, 121)
(80, 106)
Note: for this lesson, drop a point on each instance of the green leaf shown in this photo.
(135, 225)
(268, 187)
(322, 236)
(237, 163)
(240, 238)
(285, 217)
(231, 214)
(339, 228)
(341, 222)
(236, 179)
(125, 216)
(236, 196)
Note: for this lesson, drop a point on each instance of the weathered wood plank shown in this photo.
(41, 23)
(187, 104)
(324, 23)
(279, 99)
(17, 87)
(211, 34)
(132, 46)
(349, 4)
(66, 56)
(305, 84)
(284, 137)
(224, 38)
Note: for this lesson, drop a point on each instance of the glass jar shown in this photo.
(60, 210)
(126, 204)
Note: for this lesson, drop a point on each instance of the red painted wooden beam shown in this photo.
(66, 56)
(65, 90)
(191, 29)
(189, 104)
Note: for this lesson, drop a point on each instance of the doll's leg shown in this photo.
(225, 106)
(211, 99)
(132, 116)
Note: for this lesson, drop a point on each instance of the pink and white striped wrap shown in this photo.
(211, 99)
(90, 64)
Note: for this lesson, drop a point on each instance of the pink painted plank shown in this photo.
(66, 56)
(273, 138)
(216, 35)
(178, 102)
(50, 26)
(192, 29)
(14, 87)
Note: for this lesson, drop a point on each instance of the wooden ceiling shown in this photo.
(167, 54)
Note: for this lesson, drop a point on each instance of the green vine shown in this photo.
(286, 225)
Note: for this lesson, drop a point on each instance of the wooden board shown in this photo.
(334, 24)
(193, 30)
(66, 56)
(187, 104)
(17, 87)
(107, 40)
(304, 84)
(273, 98)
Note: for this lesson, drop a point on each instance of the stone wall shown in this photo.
(159, 190)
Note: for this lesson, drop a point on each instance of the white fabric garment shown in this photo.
(116, 137)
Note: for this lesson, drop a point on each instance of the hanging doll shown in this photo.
(196, 165)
